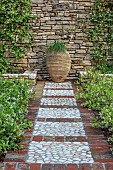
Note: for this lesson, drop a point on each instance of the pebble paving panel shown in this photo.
(58, 113)
(59, 129)
(65, 85)
(59, 152)
(58, 93)
(58, 101)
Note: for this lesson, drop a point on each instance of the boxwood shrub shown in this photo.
(14, 95)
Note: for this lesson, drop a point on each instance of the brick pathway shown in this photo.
(62, 137)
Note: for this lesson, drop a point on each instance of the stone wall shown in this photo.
(59, 20)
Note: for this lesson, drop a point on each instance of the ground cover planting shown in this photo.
(97, 90)
(14, 95)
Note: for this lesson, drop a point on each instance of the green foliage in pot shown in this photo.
(56, 46)
(58, 61)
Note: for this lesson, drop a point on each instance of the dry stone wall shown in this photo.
(59, 20)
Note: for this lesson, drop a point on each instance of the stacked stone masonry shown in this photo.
(58, 20)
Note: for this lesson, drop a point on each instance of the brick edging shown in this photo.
(35, 166)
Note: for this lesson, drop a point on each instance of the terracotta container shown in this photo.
(58, 65)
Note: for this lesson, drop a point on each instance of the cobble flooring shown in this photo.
(58, 93)
(58, 113)
(49, 101)
(52, 85)
(59, 129)
(62, 137)
(59, 152)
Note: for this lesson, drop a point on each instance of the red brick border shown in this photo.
(59, 119)
(60, 138)
(35, 166)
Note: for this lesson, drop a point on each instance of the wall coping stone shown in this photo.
(82, 73)
(28, 74)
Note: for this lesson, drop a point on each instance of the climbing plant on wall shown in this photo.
(100, 31)
(15, 35)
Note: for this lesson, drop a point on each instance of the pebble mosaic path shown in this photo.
(62, 137)
(59, 152)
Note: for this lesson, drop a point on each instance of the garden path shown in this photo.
(62, 137)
